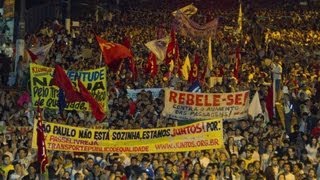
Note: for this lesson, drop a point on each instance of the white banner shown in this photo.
(198, 106)
(133, 93)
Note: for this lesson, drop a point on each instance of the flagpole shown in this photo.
(43, 159)
(100, 59)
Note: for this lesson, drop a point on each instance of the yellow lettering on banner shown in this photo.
(195, 71)
(196, 136)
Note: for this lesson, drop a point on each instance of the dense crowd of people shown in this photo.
(276, 46)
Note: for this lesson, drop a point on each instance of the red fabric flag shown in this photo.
(237, 63)
(171, 54)
(32, 56)
(193, 74)
(126, 42)
(113, 53)
(152, 67)
(95, 106)
(61, 80)
(269, 102)
(42, 151)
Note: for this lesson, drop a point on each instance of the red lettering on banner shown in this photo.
(238, 99)
(181, 98)
(190, 99)
(199, 98)
(230, 99)
(216, 100)
(173, 96)
(206, 102)
(214, 142)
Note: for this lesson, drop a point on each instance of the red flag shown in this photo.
(126, 42)
(152, 67)
(171, 54)
(237, 63)
(42, 151)
(32, 56)
(95, 106)
(269, 102)
(61, 80)
(193, 74)
(113, 53)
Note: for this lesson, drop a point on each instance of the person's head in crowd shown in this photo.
(212, 169)
(312, 174)
(287, 167)
(22, 153)
(79, 176)
(251, 168)
(160, 172)
(33, 169)
(249, 152)
(89, 163)
(194, 176)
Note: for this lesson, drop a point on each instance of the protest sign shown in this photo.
(196, 136)
(198, 106)
(46, 95)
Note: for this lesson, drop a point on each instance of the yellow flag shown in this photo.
(210, 63)
(240, 17)
(185, 69)
(171, 66)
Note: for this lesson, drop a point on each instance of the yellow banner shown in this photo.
(42, 92)
(196, 136)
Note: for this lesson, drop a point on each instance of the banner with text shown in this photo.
(196, 136)
(94, 80)
(133, 93)
(197, 106)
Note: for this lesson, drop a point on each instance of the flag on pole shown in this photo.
(240, 19)
(113, 53)
(210, 61)
(270, 101)
(237, 63)
(61, 80)
(152, 67)
(94, 105)
(42, 151)
(40, 53)
(195, 87)
(188, 27)
(159, 47)
(188, 10)
(186, 67)
(255, 106)
(193, 74)
(171, 53)
(31, 56)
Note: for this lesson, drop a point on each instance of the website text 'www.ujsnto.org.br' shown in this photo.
(188, 144)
